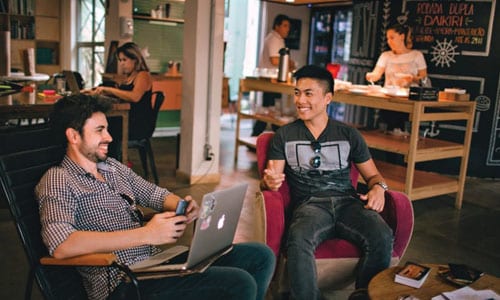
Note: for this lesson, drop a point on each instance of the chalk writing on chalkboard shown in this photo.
(451, 27)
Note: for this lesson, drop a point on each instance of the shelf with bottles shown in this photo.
(166, 11)
(149, 18)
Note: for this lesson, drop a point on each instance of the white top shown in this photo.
(396, 64)
(272, 45)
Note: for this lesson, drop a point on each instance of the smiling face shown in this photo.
(95, 138)
(311, 99)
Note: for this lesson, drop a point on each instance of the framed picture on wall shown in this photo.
(293, 39)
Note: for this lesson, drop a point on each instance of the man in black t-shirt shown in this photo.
(315, 154)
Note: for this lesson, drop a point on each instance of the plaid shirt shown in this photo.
(71, 199)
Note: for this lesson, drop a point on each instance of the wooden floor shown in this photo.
(442, 234)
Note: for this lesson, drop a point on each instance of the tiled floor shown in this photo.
(442, 234)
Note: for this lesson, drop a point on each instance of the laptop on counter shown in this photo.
(213, 236)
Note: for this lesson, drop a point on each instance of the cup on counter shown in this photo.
(61, 85)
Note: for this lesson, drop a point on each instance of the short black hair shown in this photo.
(279, 19)
(318, 73)
(72, 112)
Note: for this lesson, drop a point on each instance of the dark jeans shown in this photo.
(268, 99)
(243, 273)
(319, 219)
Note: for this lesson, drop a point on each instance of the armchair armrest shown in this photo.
(275, 219)
(398, 213)
(94, 259)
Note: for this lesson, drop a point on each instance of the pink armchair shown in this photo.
(336, 259)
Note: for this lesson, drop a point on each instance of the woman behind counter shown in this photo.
(136, 89)
(402, 67)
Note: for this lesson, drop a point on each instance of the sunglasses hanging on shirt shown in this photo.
(315, 162)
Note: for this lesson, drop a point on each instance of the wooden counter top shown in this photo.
(156, 77)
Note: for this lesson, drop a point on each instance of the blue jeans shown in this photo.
(319, 219)
(243, 273)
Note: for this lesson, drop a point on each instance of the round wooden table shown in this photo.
(383, 287)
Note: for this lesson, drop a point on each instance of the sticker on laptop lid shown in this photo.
(207, 209)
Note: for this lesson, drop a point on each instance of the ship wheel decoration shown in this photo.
(443, 53)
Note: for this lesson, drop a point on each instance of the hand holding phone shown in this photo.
(181, 207)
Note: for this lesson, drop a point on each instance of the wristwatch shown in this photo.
(383, 185)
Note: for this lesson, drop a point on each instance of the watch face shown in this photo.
(383, 185)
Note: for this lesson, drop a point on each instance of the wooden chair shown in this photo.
(144, 145)
(26, 153)
(336, 259)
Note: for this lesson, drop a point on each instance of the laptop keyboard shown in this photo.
(160, 258)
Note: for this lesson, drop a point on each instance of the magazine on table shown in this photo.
(412, 274)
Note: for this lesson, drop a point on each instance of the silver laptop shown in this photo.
(71, 82)
(213, 236)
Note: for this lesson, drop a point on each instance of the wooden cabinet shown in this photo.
(171, 86)
(33, 24)
(417, 184)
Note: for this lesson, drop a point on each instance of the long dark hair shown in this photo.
(404, 30)
(132, 51)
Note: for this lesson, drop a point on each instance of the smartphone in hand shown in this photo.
(181, 207)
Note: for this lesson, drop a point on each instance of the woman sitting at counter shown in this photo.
(136, 89)
(402, 67)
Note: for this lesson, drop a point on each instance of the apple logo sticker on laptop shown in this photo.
(220, 223)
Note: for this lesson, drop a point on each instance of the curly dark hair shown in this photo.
(72, 112)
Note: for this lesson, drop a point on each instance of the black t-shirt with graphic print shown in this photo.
(339, 145)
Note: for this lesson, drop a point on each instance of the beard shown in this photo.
(94, 154)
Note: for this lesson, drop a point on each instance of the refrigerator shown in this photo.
(330, 38)
(329, 46)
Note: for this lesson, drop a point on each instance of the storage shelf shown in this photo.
(427, 148)
(166, 20)
(424, 185)
(415, 183)
(248, 141)
(38, 26)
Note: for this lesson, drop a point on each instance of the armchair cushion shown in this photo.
(398, 213)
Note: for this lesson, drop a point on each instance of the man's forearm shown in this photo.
(85, 242)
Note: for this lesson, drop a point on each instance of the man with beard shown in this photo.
(88, 205)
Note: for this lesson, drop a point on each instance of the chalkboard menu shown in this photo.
(450, 26)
